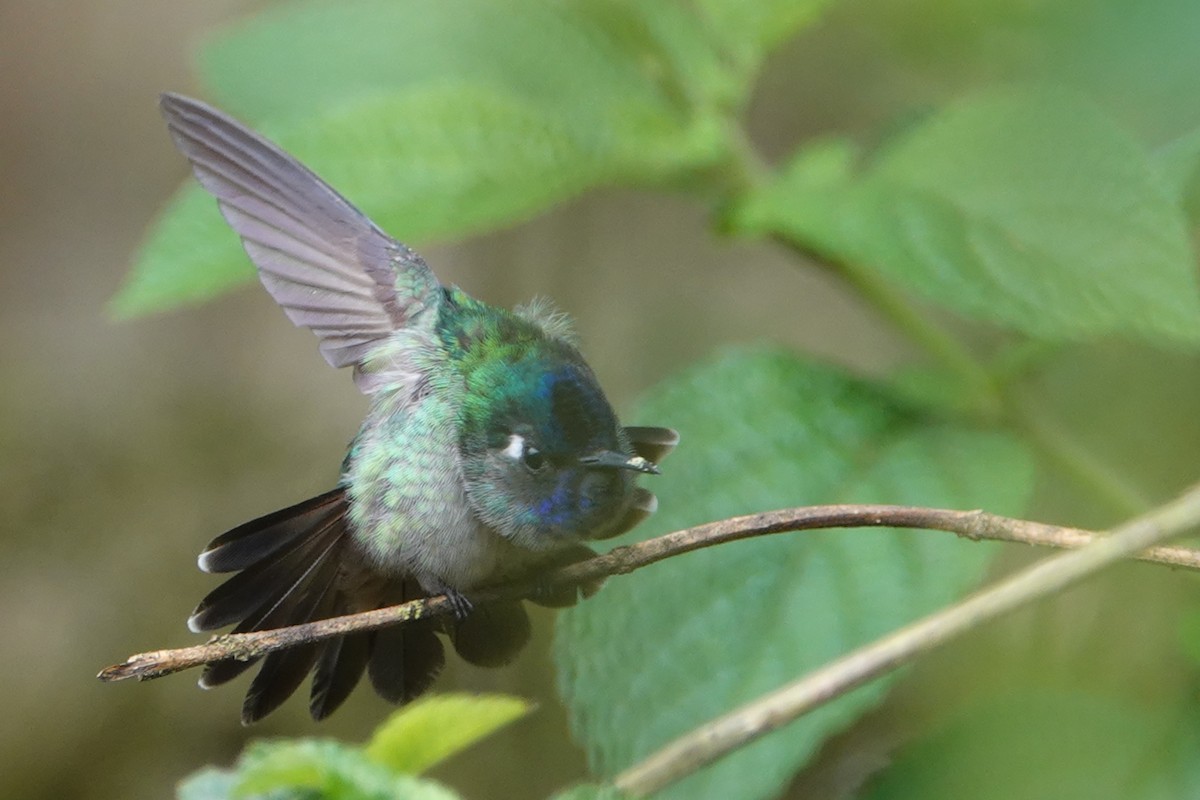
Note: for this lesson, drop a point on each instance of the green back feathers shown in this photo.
(503, 358)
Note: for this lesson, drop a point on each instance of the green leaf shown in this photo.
(190, 255)
(595, 68)
(1178, 165)
(598, 61)
(1052, 744)
(1189, 634)
(324, 765)
(425, 732)
(209, 783)
(665, 649)
(1030, 209)
(749, 31)
(297, 56)
(446, 119)
(424, 164)
(331, 769)
(589, 791)
(676, 40)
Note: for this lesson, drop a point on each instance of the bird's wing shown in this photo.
(330, 267)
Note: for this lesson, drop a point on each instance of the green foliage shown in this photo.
(439, 726)
(589, 792)
(716, 628)
(1189, 634)
(1052, 744)
(1026, 208)
(1039, 211)
(1178, 166)
(411, 741)
(746, 32)
(593, 63)
(467, 128)
(424, 163)
(208, 784)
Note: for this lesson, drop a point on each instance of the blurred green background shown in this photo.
(126, 446)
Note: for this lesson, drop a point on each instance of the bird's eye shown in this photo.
(533, 458)
(519, 448)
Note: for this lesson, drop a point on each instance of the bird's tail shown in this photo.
(295, 566)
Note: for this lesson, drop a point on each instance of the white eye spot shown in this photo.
(515, 448)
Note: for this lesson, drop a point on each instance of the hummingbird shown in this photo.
(489, 452)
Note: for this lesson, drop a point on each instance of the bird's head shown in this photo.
(545, 458)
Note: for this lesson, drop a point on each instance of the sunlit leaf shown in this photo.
(423, 733)
(207, 784)
(553, 57)
(331, 769)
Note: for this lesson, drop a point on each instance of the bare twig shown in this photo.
(970, 524)
(725, 734)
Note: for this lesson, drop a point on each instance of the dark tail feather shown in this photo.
(258, 540)
(338, 671)
(257, 589)
(491, 635)
(405, 659)
(296, 567)
(285, 593)
(291, 562)
(283, 671)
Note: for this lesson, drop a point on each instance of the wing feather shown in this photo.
(330, 267)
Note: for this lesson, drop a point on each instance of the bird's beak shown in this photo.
(607, 459)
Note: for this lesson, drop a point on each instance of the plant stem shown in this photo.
(935, 340)
(1073, 459)
(991, 400)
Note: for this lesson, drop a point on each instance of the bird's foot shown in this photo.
(460, 605)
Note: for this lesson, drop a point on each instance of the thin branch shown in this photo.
(976, 525)
(736, 729)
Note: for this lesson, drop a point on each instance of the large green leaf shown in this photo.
(412, 740)
(209, 783)
(1026, 208)
(586, 61)
(332, 770)
(659, 652)
(608, 71)
(1051, 744)
(445, 119)
(289, 769)
(436, 727)
(1178, 165)
(425, 164)
(610, 62)
(588, 791)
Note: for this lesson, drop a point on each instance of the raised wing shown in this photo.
(330, 267)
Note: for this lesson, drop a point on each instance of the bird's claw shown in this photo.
(460, 605)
